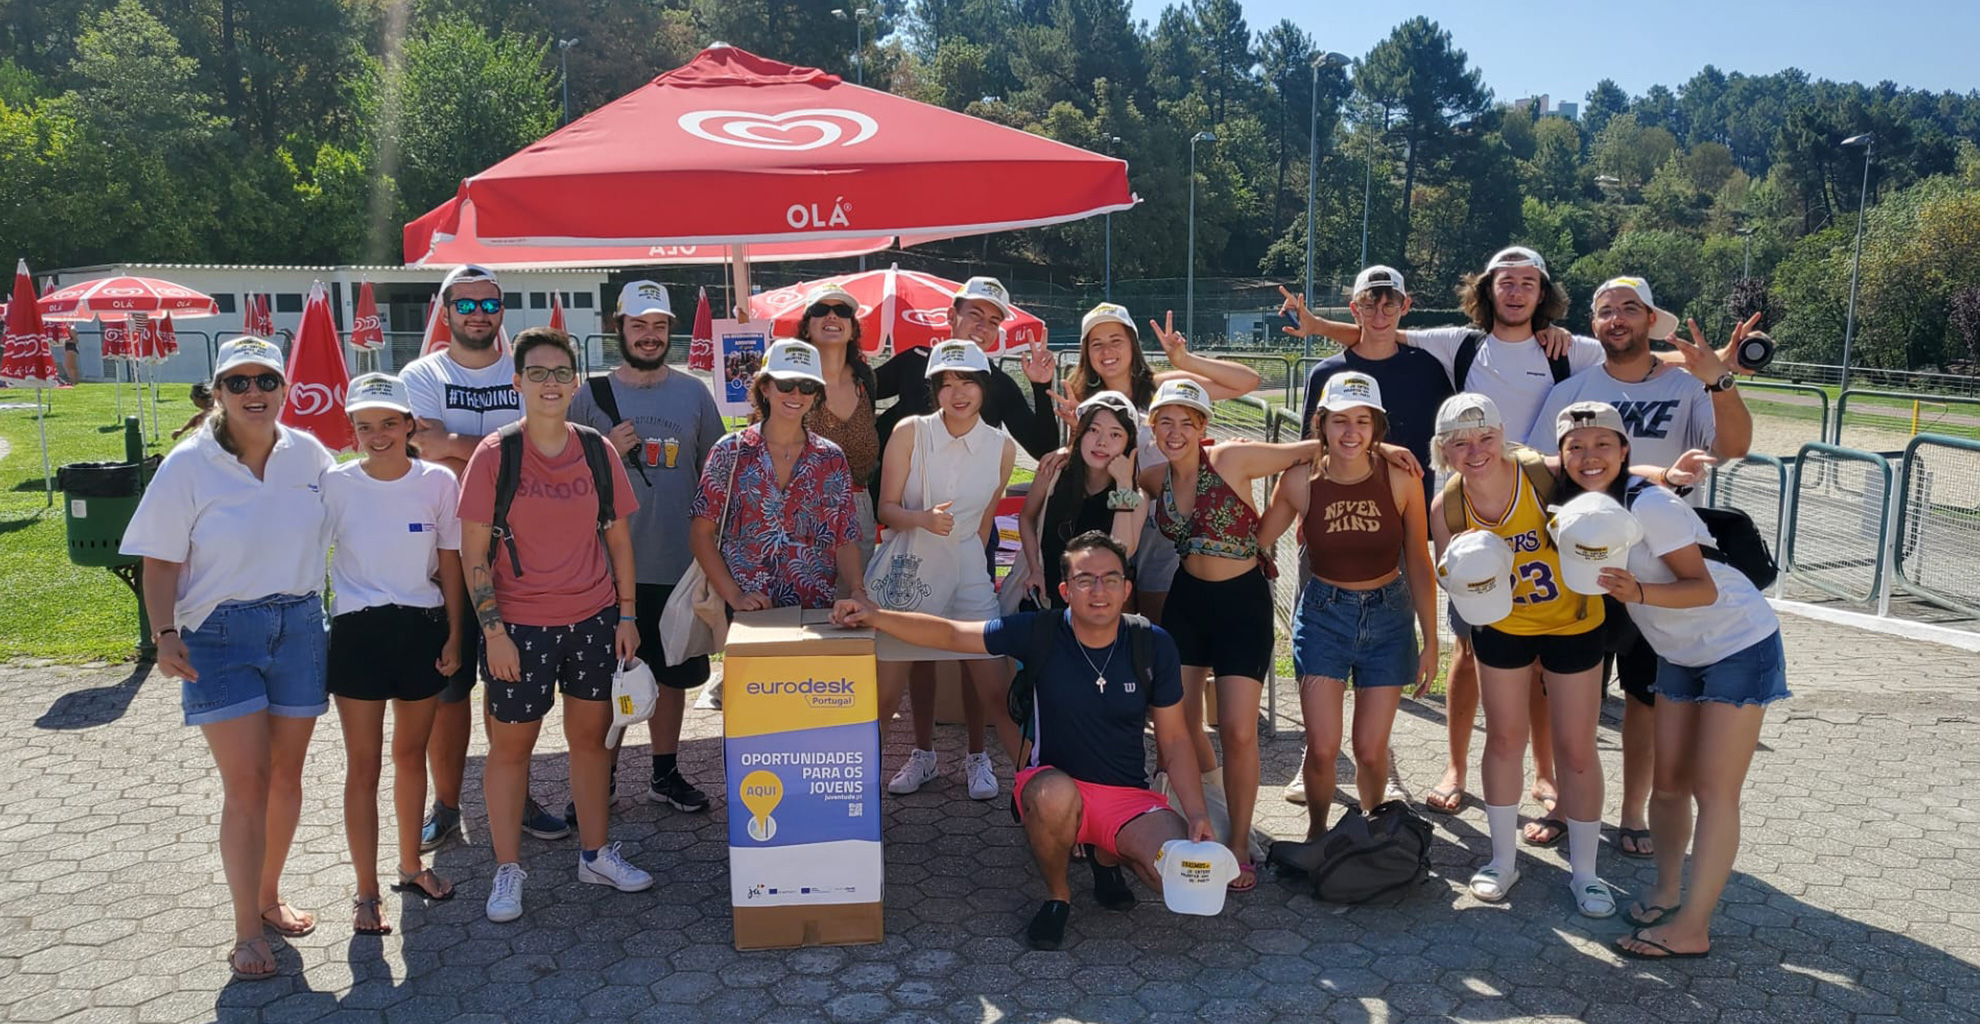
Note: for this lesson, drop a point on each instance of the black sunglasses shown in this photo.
(838, 309)
(238, 383)
(539, 374)
(464, 307)
(802, 387)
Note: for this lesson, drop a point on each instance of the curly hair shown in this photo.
(1475, 297)
(855, 357)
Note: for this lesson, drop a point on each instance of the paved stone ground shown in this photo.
(1854, 896)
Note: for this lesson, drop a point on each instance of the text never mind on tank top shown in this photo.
(1542, 603)
(1353, 532)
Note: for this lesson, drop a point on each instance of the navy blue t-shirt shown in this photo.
(1091, 733)
(1414, 383)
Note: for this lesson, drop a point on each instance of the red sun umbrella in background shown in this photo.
(908, 306)
(557, 310)
(168, 338)
(259, 319)
(367, 330)
(701, 340)
(28, 360)
(116, 336)
(119, 297)
(318, 378)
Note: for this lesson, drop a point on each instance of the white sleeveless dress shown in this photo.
(965, 472)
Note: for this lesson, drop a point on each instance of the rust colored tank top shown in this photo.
(1354, 531)
(858, 436)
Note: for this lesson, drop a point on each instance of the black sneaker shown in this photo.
(570, 806)
(675, 791)
(1110, 886)
(541, 823)
(1048, 926)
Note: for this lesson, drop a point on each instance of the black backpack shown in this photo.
(1023, 695)
(1467, 352)
(1363, 857)
(1737, 541)
(508, 477)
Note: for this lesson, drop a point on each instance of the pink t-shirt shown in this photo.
(567, 577)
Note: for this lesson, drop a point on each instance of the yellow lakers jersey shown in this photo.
(1542, 603)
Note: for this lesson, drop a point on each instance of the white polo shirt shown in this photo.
(239, 538)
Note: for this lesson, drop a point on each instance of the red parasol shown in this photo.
(908, 306)
(367, 331)
(773, 153)
(119, 297)
(557, 310)
(168, 338)
(318, 377)
(701, 341)
(260, 320)
(117, 340)
(28, 360)
(144, 340)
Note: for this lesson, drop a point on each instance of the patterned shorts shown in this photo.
(576, 659)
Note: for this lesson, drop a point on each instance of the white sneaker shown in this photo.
(608, 868)
(1295, 791)
(505, 896)
(1396, 791)
(982, 778)
(916, 773)
(711, 697)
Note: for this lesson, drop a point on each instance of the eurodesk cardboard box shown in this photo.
(802, 748)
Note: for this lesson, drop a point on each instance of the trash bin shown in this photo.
(99, 499)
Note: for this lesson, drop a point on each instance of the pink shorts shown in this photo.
(1103, 810)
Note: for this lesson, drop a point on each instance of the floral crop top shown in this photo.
(1219, 524)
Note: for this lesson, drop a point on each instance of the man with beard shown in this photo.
(1666, 410)
(663, 424)
(460, 395)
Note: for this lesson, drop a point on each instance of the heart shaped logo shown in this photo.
(792, 130)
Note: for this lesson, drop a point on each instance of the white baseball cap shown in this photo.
(467, 272)
(645, 298)
(1107, 313)
(1593, 532)
(1516, 256)
(1112, 400)
(828, 291)
(1477, 572)
(1195, 876)
(1666, 323)
(956, 356)
(634, 693)
(377, 391)
(989, 289)
(1468, 410)
(1181, 391)
(791, 359)
(1350, 390)
(1587, 414)
(245, 350)
(1379, 276)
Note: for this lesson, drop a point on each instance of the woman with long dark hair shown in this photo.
(1088, 485)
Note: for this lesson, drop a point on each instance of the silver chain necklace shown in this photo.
(1099, 673)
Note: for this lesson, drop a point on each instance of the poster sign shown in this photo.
(739, 349)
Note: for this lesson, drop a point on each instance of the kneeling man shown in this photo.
(1085, 778)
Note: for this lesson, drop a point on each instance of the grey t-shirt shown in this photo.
(679, 408)
(1665, 416)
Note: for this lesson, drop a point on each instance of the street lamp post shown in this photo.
(1110, 143)
(1368, 185)
(1189, 292)
(857, 16)
(1867, 141)
(1746, 244)
(1320, 60)
(564, 72)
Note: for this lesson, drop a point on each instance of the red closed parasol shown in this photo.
(701, 340)
(28, 360)
(318, 377)
(557, 310)
(367, 330)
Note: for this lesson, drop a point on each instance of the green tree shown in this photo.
(1603, 102)
(1227, 45)
(1554, 172)
(1419, 73)
(1630, 151)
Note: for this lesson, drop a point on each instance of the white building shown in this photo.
(403, 295)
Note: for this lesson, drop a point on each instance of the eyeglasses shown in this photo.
(238, 383)
(803, 387)
(539, 374)
(838, 309)
(1086, 582)
(465, 307)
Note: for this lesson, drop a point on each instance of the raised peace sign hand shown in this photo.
(1174, 345)
(1040, 365)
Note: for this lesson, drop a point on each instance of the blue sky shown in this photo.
(1563, 49)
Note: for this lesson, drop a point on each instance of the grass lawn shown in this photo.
(53, 609)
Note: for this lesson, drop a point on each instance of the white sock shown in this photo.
(1583, 838)
(1504, 823)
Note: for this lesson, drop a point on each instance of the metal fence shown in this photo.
(1758, 486)
(1905, 380)
(1838, 524)
(1938, 539)
(1786, 416)
(1886, 420)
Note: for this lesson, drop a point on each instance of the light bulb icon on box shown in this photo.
(761, 792)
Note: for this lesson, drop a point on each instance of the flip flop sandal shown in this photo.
(1492, 884)
(234, 963)
(1667, 954)
(1636, 837)
(1642, 920)
(1246, 880)
(1444, 801)
(411, 883)
(1558, 832)
(377, 914)
(1595, 900)
(287, 931)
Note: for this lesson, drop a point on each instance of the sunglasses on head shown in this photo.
(838, 309)
(802, 387)
(539, 374)
(465, 307)
(238, 383)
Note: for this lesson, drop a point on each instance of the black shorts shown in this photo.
(1636, 671)
(1226, 625)
(576, 659)
(386, 652)
(1561, 654)
(460, 685)
(651, 601)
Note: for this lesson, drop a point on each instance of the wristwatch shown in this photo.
(1724, 383)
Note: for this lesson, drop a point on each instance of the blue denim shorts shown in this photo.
(1756, 675)
(1367, 637)
(266, 654)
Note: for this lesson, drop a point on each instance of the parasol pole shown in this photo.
(41, 424)
(739, 271)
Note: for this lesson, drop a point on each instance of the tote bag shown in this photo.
(899, 580)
